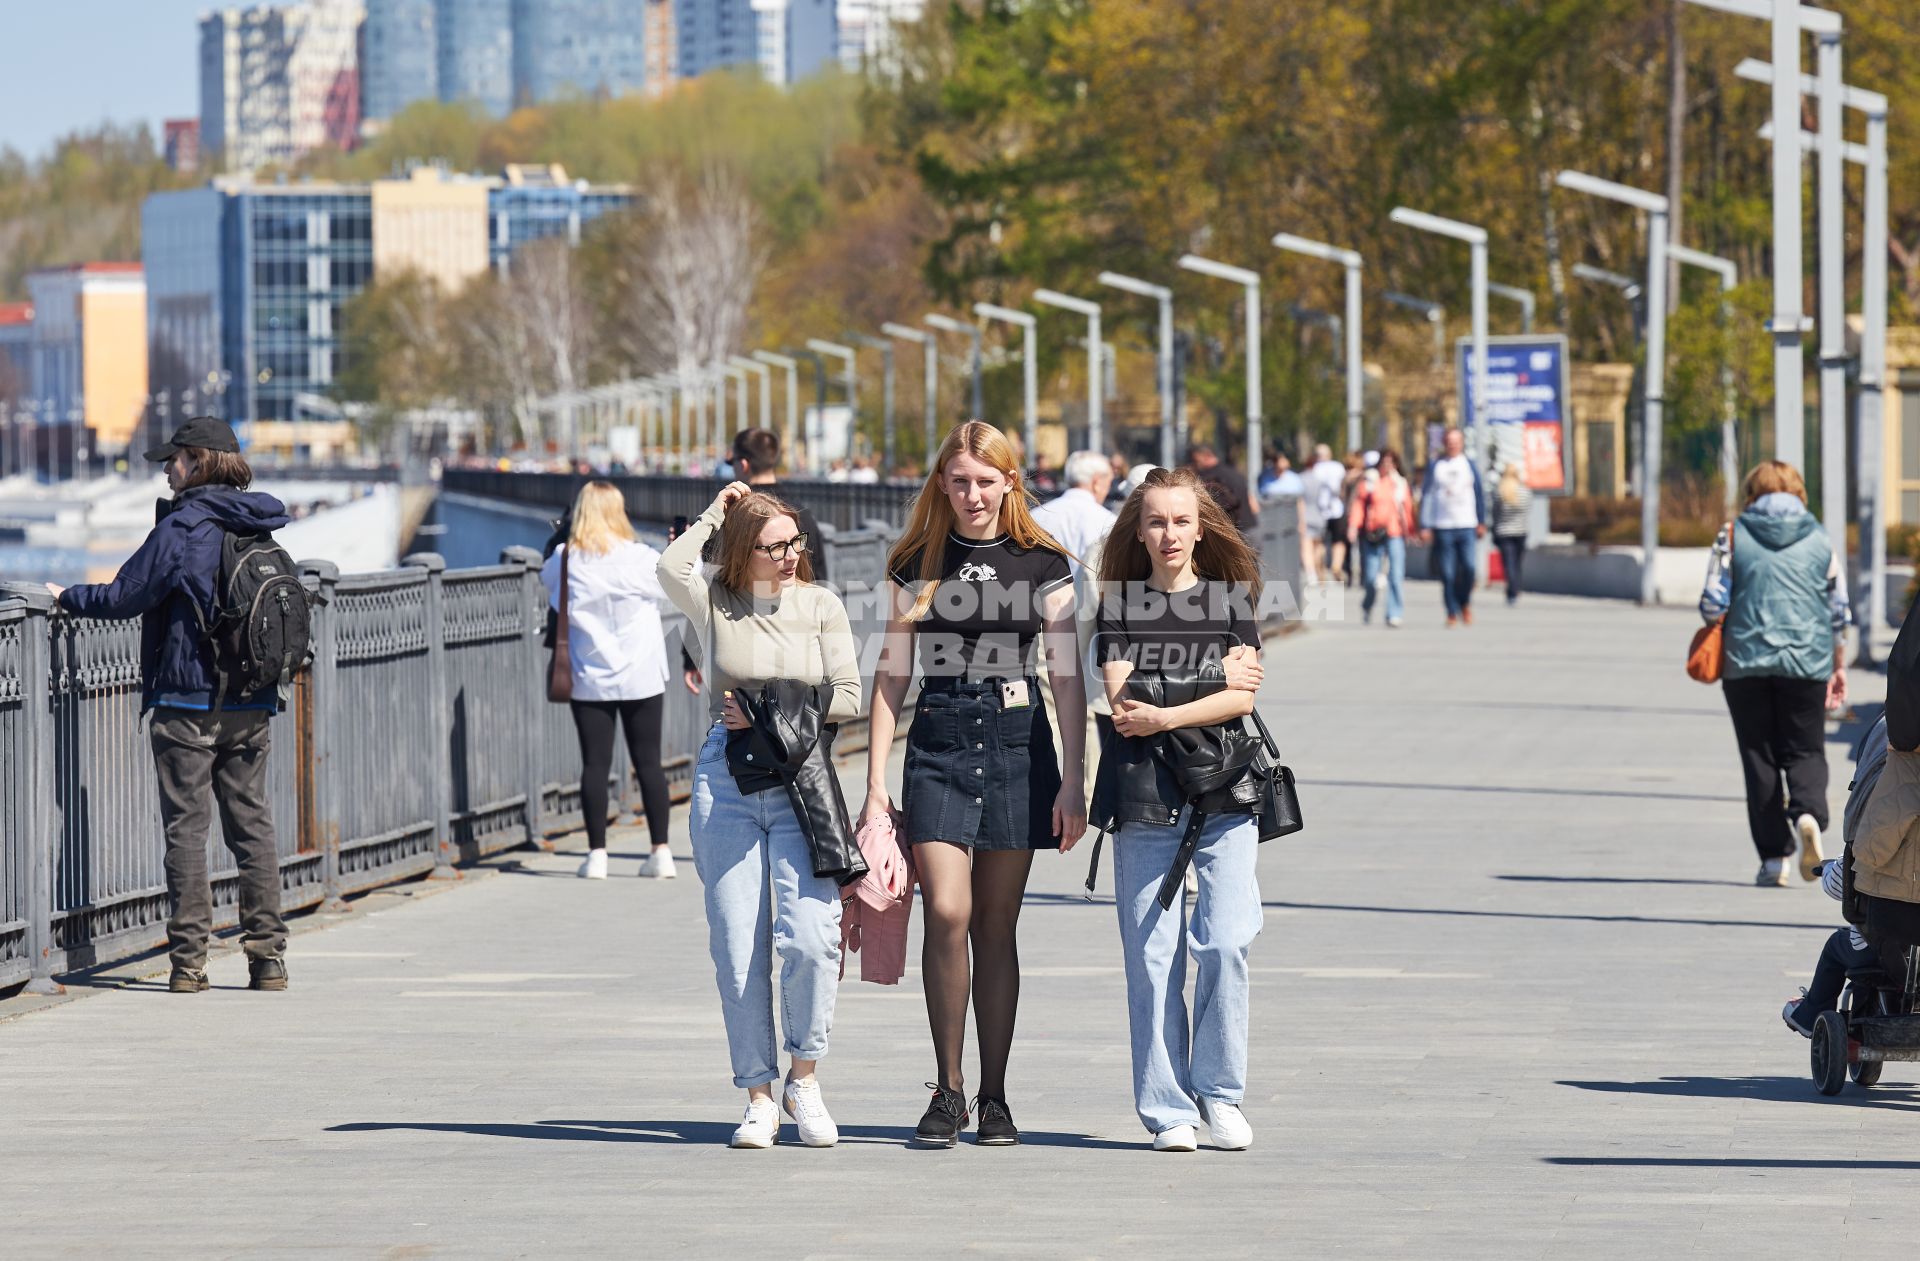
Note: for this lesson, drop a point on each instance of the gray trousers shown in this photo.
(205, 760)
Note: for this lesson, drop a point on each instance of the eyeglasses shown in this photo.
(780, 551)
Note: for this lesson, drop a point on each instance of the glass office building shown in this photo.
(399, 63)
(578, 48)
(474, 52)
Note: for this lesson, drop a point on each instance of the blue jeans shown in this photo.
(742, 846)
(1393, 553)
(1174, 1062)
(1454, 549)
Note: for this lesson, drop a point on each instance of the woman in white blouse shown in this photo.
(619, 664)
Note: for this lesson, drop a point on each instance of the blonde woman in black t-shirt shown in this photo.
(975, 582)
(1178, 585)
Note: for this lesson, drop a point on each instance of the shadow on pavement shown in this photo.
(1519, 790)
(1545, 915)
(1769, 1089)
(715, 1133)
(1727, 1162)
(1623, 880)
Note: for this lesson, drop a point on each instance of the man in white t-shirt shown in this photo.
(1079, 521)
(1453, 516)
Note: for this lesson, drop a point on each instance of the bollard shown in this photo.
(440, 722)
(533, 607)
(320, 745)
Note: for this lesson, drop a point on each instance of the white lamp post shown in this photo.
(1172, 428)
(1476, 238)
(1356, 371)
(1096, 422)
(929, 375)
(1729, 274)
(1434, 314)
(765, 374)
(885, 348)
(1515, 293)
(947, 324)
(739, 376)
(1655, 379)
(792, 368)
(844, 354)
(1030, 378)
(1250, 281)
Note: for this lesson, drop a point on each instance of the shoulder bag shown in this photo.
(1705, 653)
(560, 667)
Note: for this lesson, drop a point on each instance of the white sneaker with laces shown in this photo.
(759, 1127)
(1226, 1125)
(803, 1103)
(1176, 1138)
(658, 866)
(595, 868)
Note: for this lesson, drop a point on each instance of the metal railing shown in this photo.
(420, 739)
(659, 499)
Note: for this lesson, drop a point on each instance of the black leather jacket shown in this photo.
(1138, 782)
(790, 746)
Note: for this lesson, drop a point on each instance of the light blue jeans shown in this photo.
(763, 898)
(1393, 553)
(1174, 1062)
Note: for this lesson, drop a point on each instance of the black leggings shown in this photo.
(595, 722)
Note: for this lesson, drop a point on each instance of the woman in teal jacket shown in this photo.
(1776, 578)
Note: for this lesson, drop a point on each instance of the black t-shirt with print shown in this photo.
(987, 608)
(1174, 634)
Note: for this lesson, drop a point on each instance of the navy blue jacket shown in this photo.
(168, 584)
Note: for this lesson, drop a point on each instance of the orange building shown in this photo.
(87, 355)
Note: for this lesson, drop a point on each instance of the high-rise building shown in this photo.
(473, 41)
(713, 35)
(278, 82)
(869, 33)
(88, 349)
(399, 63)
(578, 47)
(795, 38)
(662, 49)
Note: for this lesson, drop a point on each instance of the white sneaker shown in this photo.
(803, 1103)
(1176, 1138)
(1773, 873)
(1810, 855)
(595, 868)
(658, 866)
(759, 1127)
(1226, 1125)
(1393, 623)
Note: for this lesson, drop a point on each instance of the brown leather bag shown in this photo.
(1704, 655)
(560, 668)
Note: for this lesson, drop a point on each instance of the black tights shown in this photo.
(594, 721)
(972, 895)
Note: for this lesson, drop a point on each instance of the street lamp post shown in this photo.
(791, 367)
(845, 354)
(1356, 370)
(947, 324)
(739, 375)
(1434, 314)
(1655, 380)
(765, 374)
(1476, 238)
(1516, 294)
(1250, 281)
(1172, 425)
(885, 348)
(1096, 422)
(929, 373)
(1030, 371)
(1729, 274)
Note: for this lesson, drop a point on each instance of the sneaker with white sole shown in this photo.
(803, 1103)
(759, 1127)
(1177, 1138)
(1226, 1125)
(1802, 1025)
(595, 868)
(1773, 873)
(1810, 855)
(658, 866)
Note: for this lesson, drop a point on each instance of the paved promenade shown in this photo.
(1516, 997)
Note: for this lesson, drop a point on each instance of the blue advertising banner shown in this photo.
(1528, 406)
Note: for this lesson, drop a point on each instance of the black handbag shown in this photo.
(1279, 812)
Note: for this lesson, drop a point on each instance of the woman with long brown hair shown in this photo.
(974, 582)
(1179, 586)
(761, 618)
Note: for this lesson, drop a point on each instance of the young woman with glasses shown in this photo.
(761, 618)
(974, 583)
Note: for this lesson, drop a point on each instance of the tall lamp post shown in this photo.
(1515, 293)
(792, 369)
(1356, 370)
(1729, 274)
(765, 374)
(845, 355)
(1434, 314)
(1096, 422)
(739, 375)
(929, 373)
(947, 324)
(1476, 239)
(1655, 380)
(885, 348)
(1030, 371)
(1172, 425)
(1250, 281)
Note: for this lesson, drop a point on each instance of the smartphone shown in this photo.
(679, 528)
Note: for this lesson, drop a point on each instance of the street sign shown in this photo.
(1528, 406)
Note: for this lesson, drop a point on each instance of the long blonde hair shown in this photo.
(932, 517)
(740, 532)
(1510, 486)
(599, 520)
(1221, 554)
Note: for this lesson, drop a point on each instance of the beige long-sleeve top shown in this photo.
(804, 634)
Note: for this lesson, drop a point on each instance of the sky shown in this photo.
(67, 64)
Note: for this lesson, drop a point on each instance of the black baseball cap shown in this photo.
(208, 433)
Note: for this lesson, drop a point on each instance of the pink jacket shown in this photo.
(876, 910)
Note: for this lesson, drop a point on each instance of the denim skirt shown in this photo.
(979, 775)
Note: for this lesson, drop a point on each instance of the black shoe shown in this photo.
(266, 974)
(188, 980)
(946, 1116)
(996, 1128)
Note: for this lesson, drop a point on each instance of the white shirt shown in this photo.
(613, 616)
(1451, 491)
(1080, 523)
(1326, 478)
(864, 476)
